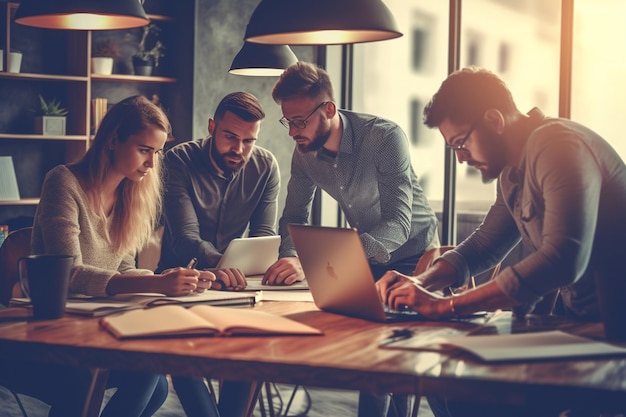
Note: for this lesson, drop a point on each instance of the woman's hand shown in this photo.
(184, 281)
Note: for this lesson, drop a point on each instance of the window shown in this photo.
(396, 78)
(504, 57)
(419, 48)
(415, 119)
(599, 66)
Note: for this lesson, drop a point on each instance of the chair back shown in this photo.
(16, 245)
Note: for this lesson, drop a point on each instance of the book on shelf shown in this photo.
(4, 233)
(98, 110)
(201, 320)
(101, 306)
(554, 344)
(8, 180)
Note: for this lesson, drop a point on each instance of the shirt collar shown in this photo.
(347, 135)
(207, 150)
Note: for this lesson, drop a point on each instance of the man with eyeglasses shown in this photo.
(363, 162)
(561, 191)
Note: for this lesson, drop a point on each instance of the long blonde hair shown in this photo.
(138, 205)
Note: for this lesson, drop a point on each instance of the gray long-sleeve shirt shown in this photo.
(373, 182)
(204, 210)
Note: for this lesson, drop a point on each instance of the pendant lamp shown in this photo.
(82, 14)
(321, 22)
(257, 59)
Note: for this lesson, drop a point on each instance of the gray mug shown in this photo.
(45, 280)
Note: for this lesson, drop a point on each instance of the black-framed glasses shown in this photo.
(300, 123)
(460, 144)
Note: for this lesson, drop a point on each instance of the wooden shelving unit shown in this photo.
(57, 63)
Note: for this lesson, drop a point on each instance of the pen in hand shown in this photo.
(192, 263)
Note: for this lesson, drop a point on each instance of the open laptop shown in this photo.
(339, 276)
(253, 255)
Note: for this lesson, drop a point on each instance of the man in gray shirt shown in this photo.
(360, 160)
(218, 187)
(363, 162)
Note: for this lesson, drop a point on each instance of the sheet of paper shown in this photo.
(516, 347)
(296, 295)
(254, 284)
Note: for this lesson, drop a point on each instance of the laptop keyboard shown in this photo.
(403, 314)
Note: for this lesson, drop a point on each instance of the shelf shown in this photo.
(20, 202)
(57, 64)
(33, 136)
(43, 77)
(132, 78)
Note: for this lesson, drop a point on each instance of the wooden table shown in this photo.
(347, 356)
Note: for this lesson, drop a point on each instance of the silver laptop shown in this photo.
(339, 276)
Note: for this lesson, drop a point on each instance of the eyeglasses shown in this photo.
(299, 123)
(460, 145)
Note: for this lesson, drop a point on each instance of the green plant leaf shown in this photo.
(52, 107)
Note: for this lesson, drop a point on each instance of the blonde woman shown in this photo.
(101, 210)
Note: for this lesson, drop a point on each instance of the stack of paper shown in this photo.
(100, 306)
(516, 347)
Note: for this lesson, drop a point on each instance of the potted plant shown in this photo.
(104, 53)
(51, 117)
(149, 50)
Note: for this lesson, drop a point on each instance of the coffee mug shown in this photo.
(45, 279)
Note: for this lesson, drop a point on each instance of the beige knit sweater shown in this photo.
(65, 224)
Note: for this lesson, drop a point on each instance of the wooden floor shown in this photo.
(310, 403)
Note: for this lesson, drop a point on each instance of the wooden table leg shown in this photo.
(93, 401)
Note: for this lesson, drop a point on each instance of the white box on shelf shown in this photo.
(50, 125)
(8, 181)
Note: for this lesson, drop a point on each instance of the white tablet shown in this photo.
(253, 255)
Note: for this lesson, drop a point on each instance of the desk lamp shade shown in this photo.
(257, 59)
(320, 22)
(82, 14)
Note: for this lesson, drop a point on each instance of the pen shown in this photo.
(397, 335)
(192, 263)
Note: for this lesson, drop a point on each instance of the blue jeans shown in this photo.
(138, 394)
(371, 405)
(197, 401)
(64, 388)
(446, 408)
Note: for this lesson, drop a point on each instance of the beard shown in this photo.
(227, 166)
(321, 137)
(495, 153)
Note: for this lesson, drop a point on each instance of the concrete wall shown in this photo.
(219, 29)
